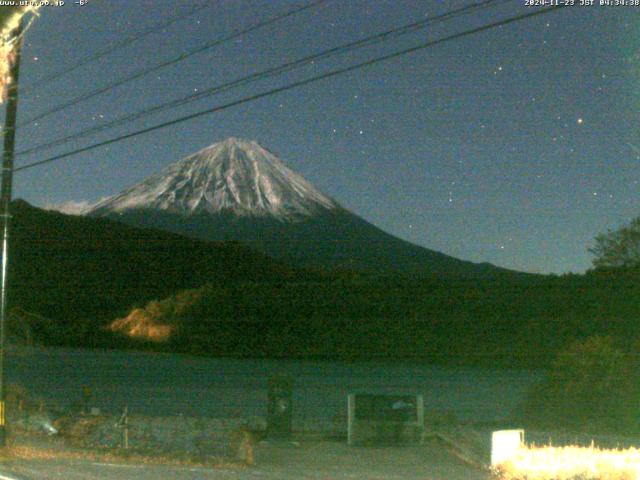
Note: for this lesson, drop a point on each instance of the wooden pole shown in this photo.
(5, 204)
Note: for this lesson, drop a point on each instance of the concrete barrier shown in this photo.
(504, 445)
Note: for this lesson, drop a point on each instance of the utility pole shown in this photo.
(5, 204)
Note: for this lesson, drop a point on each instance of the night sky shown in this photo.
(514, 146)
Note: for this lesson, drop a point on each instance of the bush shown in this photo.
(591, 386)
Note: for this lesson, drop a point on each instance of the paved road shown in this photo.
(314, 461)
(60, 470)
(77, 470)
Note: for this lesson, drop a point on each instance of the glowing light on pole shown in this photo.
(10, 38)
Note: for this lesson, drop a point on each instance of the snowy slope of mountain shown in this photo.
(235, 175)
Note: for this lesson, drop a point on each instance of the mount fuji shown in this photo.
(237, 190)
(234, 176)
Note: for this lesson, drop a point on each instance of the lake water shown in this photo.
(166, 384)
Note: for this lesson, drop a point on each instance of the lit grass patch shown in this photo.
(119, 456)
(570, 463)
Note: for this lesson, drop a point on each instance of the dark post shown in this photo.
(279, 413)
(5, 203)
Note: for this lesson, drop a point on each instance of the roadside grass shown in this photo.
(17, 450)
(571, 463)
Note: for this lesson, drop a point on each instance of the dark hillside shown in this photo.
(89, 270)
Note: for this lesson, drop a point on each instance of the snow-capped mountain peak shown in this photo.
(235, 175)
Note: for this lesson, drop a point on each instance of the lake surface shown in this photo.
(167, 384)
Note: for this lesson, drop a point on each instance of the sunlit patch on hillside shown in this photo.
(157, 320)
(141, 325)
(570, 463)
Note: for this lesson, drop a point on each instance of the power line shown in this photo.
(117, 46)
(368, 41)
(141, 73)
(294, 85)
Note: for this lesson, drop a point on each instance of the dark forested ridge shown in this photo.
(83, 272)
(523, 323)
(78, 274)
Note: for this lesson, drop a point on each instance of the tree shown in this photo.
(592, 385)
(618, 248)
